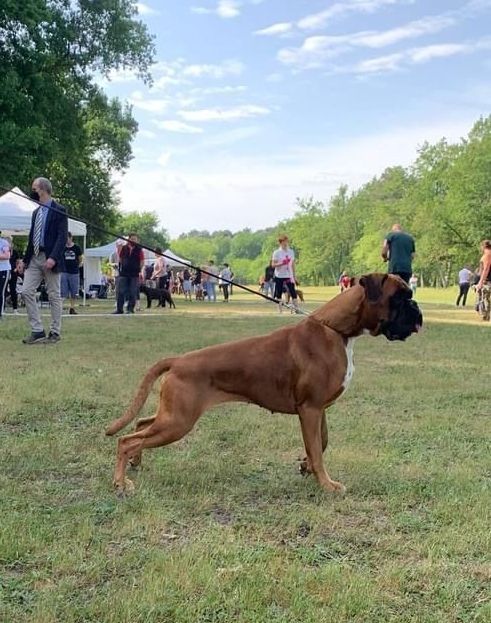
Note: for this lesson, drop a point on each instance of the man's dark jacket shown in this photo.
(55, 235)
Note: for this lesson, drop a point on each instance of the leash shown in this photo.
(112, 234)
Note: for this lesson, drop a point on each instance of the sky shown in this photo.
(255, 103)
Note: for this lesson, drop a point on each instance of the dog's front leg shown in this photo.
(315, 440)
(305, 466)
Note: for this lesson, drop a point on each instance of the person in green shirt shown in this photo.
(399, 249)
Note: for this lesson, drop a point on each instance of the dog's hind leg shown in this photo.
(135, 460)
(177, 413)
(311, 423)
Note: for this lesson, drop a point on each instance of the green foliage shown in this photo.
(54, 119)
(145, 224)
(443, 199)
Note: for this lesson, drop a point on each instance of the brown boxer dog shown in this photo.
(305, 367)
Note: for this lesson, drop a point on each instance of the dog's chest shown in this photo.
(350, 367)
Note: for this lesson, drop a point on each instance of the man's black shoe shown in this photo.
(35, 338)
(116, 312)
(52, 338)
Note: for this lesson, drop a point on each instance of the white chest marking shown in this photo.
(350, 368)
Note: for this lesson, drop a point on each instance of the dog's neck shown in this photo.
(344, 313)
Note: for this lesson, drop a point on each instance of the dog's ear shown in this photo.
(373, 285)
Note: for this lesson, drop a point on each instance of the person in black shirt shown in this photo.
(70, 278)
(268, 285)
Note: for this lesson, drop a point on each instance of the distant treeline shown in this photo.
(443, 199)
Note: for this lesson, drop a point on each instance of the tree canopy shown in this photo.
(55, 120)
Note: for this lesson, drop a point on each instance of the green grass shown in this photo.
(221, 528)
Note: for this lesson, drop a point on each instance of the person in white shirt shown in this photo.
(413, 283)
(225, 273)
(283, 262)
(465, 278)
(5, 251)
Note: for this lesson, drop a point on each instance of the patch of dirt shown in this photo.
(222, 516)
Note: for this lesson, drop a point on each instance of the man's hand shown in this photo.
(50, 263)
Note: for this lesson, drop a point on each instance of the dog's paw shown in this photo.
(124, 489)
(304, 467)
(336, 487)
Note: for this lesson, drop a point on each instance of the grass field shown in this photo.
(221, 527)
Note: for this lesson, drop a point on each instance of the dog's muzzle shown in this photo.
(405, 318)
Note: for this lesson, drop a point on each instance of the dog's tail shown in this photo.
(141, 395)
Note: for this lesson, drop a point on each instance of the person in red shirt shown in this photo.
(344, 281)
(131, 262)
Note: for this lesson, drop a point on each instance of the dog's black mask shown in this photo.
(405, 317)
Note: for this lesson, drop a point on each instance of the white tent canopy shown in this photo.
(16, 211)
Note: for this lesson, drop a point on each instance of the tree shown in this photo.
(145, 225)
(54, 119)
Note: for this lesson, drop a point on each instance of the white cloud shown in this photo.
(144, 9)
(163, 159)
(275, 29)
(224, 8)
(217, 71)
(316, 50)
(174, 125)
(426, 53)
(147, 134)
(225, 90)
(224, 114)
(177, 72)
(138, 100)
(412, 56)
(317, 21)
(391, 62)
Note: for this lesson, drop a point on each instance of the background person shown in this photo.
(4, 272)
(186, 283)
(283, 262)
(399, 249)
(268, 283)
(159, 269)
(12, 283)
(484, 284)
(344, 281)
(211, 281)
(131, 262)
(44, 261)
(225, 273)
(465, 279)
(70, 277)
(413, 283)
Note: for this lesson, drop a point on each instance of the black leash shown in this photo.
(148, 248)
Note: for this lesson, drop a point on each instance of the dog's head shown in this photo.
(389, 308)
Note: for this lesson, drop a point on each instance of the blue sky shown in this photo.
(258, 102)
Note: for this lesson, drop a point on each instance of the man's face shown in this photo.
(133, 239)
(35, 188)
